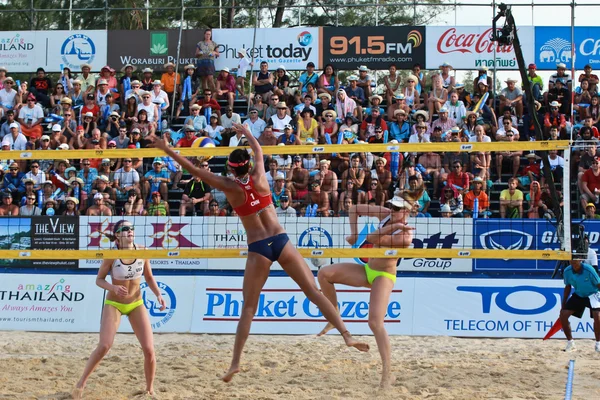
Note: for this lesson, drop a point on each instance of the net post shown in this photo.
(566, 190)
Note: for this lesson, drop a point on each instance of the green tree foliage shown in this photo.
(165, 14)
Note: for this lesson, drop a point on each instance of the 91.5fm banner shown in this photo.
(375, 47)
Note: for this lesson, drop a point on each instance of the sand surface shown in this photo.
(47, 365)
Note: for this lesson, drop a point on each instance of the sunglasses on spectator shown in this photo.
(506, 123)
(124, 228)
(554, 108)
(67, 115)
(126, 160)
(509, 135)
(86, 163)
(31, 198)
(456, 166)
(14, 169)
(35, 166)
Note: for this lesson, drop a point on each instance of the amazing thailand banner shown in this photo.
(25, 51)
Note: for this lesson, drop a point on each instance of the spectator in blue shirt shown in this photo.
(583, 279)
(88, 175)
(13, 181)
(157, 179)
(308, 76)
(400, 128)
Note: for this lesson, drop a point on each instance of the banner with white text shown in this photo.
(470, 47)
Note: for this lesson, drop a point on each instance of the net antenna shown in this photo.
(507, 36)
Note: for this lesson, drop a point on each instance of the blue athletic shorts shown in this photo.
(271, 247)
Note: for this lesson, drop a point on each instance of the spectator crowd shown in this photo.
(130, 111)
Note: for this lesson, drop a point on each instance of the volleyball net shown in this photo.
(465, 203)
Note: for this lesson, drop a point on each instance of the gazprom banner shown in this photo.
(553, 45)
(513, 234)
(470, 47)
(25, 51)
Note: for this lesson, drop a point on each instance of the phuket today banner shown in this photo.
(290, 47)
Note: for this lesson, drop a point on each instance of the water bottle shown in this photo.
(207, 113)
(76, 193)
(313, 212)
(476, 208)
(40, 197)
(395, 164)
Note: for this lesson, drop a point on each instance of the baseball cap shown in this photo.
(590, 205)
(55, 128)
(532, 65)
(14, 125)
(98, 196)
(284, 198)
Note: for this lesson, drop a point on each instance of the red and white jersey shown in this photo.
(255, 202)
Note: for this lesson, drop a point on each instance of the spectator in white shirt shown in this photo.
(284, 207)
(280, 120)
(229, 118)
(8, 96)
(15, 139)
(255, 124)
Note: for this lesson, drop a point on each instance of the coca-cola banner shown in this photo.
(470, 47)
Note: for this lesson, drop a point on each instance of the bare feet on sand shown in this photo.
(351, 342)
(77, 393)
(387, 380)
(327, 328)
(229, 375)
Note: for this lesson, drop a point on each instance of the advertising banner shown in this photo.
(151, 232)
(291, 47)
(553, 46)
(470, 47)
(377, 48)
(284, 309)
(498, 234)
(55, 233)
(39, 233)
(178, 292)
(51, 303)
(25, 51)
(492, 308)
(431, 233)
